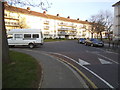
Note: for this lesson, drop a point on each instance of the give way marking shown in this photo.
(82, 62)
(104, 61)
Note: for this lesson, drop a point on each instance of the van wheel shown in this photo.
(11, 46)
(31, 46)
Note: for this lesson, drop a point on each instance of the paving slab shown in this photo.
(56, 74)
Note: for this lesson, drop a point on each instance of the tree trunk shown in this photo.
(101, 36)
(108, 35)
(109, 38)
(5, 48)
(97, 35)
(91, 35)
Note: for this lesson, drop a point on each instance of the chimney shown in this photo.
(28, 8)
(68, 17)
(58, 15)
(78, 19)
(44, 12)
(86, 20)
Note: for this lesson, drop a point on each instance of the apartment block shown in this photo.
(52, 26)
(116, 30)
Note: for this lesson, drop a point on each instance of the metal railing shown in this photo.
(72, 29)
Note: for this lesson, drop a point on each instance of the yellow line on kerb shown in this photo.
(88, 80)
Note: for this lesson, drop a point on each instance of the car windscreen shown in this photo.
(95, 40)
(82, 38)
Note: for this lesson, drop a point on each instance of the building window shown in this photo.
(8, 22)
(5, 15)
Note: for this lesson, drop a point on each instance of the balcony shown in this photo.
(11, 17)
(61, 33)
(66, 33)
(46, 28)
(66, 29)
(46, 22)
(62, 24)
(72, 33)
(72, 25)
(15, 24)
(67, 25)
(46, 32)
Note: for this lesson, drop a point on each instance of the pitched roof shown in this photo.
(116, 4)
(29, 12)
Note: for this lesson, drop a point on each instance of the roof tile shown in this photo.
(29, 12)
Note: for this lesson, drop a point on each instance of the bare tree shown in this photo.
(109, 22)
(22, 23)
(101, 22)
(32, 3)
(93, 25)
(43, 4)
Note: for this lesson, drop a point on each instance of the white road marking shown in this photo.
(86, 69)
(104, 61)
(82, 66)
(105, 50)
(92, 51)
(82, 62)
(98, 53)
(108, 58)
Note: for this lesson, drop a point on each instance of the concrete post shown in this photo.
(0, 46)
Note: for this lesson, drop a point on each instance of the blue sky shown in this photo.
(82, 9)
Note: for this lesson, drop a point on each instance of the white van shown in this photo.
(30, 37)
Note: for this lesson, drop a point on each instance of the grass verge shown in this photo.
(52, 40)
(23, 72)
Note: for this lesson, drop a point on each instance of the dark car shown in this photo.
(81, 40)
(94, 42)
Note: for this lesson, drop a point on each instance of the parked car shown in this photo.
(94, 42)
(81, 40)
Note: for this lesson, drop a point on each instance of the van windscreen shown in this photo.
(41, 34)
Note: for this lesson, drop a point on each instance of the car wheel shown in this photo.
(85, 44)
(31, 46)
(103, 45)
(92, 45)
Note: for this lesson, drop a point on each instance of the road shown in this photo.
(99, 65)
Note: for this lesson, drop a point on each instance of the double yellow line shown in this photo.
(82, 74)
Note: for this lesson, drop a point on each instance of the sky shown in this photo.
(81, 9)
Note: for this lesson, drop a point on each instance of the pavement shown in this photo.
(56, 74)
(115, 48)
